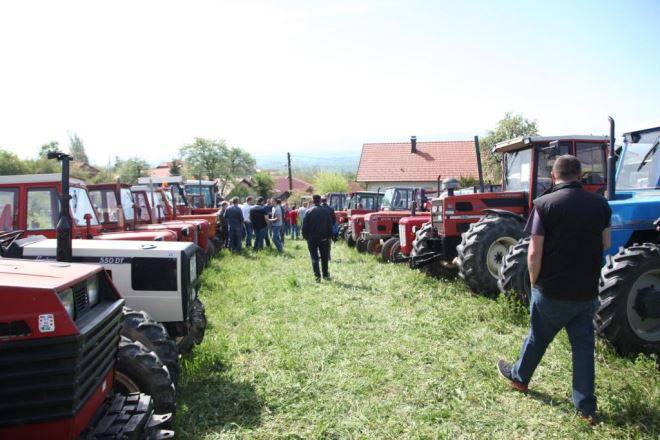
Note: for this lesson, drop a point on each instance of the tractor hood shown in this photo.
(631, 212)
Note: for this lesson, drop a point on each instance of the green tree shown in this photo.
(203, 158)
(325, 182)
(511, 126)
(263, 184)
(175, 167)
(238, 191)
(50, 147)
(237, 162)
(11, 164)
(77, 149)
(130, 169)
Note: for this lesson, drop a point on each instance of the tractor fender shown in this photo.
(505, 213)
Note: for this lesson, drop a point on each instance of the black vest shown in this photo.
(573, 220)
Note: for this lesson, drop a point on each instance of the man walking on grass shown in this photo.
(569, 229)
(317, 230)
(234, 219)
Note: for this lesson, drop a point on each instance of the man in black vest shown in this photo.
(569, 229)
(317, 230)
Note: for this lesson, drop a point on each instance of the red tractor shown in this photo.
(30, 203)
(351, 203)
(475, 230)
(383, 225)
(359, 204)
(62, 362)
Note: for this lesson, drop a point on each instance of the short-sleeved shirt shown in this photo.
(293, 217)
(257, 217)
(245, 208)
(534, 224)
(276, 213)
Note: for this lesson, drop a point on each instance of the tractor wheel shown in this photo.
(626, 276)
(482, 251)
(196, 329)
(374, 246)
(342, 231)
(514, 276)
(200, 260)
(396, 256)
(138, 326)
(139, 370)
(349, 238)
(210, 252)
(361, 245)
(130, 417)
(386, 250)
(420, 242)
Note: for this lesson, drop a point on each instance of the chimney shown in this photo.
(413, 144)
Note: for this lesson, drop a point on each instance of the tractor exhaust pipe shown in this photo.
(64, 251)
(611, 164)
(479, 167)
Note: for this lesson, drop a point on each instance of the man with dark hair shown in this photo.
(569, 229)
(259, 221)
(317, 230)
(333, 216)
(234, 219)
(247, 223)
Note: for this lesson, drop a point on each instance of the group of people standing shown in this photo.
(258, 224)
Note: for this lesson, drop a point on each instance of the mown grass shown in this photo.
(382, 352)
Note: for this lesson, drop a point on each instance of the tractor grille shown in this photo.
(81, 299)
(52, 378)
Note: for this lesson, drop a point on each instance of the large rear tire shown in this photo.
(138, 369)
(514, 274)
(138, 326)
(482, 251)
(627, 274)
(386, 250)
(396, 256)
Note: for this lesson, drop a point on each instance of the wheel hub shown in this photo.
(496, 253)
(642, 299)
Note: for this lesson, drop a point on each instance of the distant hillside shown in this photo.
(339, 162)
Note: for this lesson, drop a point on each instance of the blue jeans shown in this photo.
(235, 238)
(294, 231)
(548, 317)
(277, 237)
(259, 237)
(248, 233)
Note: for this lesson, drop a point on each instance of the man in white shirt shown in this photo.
(246, 207)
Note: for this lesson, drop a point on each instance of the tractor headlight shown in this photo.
(66, 298)
(93, 291)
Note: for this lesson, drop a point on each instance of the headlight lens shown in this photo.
(66, 298)
(93, 291)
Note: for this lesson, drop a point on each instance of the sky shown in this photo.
(142, 78)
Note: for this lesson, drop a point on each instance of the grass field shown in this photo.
(382, 352)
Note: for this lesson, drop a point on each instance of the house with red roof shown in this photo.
(415, 164)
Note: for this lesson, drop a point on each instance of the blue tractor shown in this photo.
(629, 312)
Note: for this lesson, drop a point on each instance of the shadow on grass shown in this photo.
(641, 415)
(344, 285)
(213, 403)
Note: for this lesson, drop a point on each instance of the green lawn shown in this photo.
(382, 352)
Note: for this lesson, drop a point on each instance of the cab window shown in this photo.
(517, 170)
(8, 203)
(42, 209)
(142, 205)
(81, 206)
(592, 158)
(127, 203)
(547, 157)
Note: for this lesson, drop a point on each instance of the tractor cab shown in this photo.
(336, 200)
(201, 193)
(30, 203)
(358, 203)
(174, 183)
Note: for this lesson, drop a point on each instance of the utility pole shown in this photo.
(288, 161)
